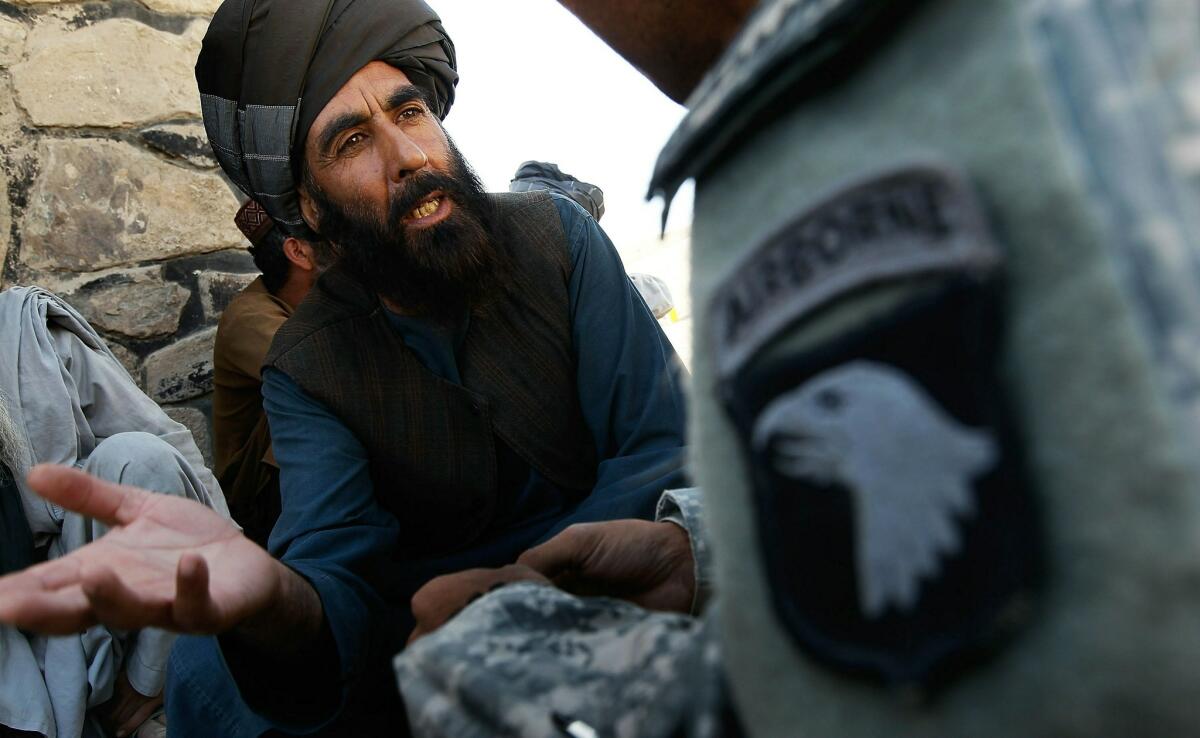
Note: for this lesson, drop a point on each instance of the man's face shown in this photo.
(385, 183)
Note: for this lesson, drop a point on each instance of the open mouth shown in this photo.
(432, 209)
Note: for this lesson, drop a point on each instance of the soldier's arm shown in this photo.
(672, 42)
(685, 508)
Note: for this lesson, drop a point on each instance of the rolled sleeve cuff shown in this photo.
(684, 507)
(347, 619)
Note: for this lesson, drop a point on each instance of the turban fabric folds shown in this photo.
(268, 68)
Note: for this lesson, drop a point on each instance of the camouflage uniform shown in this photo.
(528, 659)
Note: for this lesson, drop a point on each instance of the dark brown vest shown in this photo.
(431, 443)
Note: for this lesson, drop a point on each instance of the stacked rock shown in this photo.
(109, 195)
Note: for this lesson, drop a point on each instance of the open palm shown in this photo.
(168, 563)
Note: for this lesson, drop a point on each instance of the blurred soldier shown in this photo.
(945, 366)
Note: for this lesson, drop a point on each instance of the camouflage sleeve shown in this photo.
(685, 508)
(529, 660)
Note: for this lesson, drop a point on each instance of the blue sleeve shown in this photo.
(331, 530)
(631, 383)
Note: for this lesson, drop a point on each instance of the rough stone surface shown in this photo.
(197, 422)
(128, 359)
(10, 118)
(217, 290)
(185, 141)
(179, 7)
(116, 73)
(109, 194)
(138, 307)
(12, 41)
(99, 204)
(5, 226)
(191, 7)
(182, 370)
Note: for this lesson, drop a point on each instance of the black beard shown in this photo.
(440, 271)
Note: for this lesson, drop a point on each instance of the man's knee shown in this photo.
(139, 460)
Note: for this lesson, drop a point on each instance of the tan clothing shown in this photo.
(241, 438)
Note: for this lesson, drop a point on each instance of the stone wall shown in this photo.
(110, 195)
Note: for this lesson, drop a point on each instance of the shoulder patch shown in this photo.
(898, 528)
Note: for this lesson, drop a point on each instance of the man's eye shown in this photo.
(351, 142)
(831, 400)
(411, 112)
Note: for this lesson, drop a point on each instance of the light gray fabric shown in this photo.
(655, 292)
(79, 407)
(72, 393)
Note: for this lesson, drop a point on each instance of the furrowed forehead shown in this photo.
(377, 81)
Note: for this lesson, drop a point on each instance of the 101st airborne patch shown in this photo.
(856, 352)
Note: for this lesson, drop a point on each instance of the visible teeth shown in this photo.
(426, 210)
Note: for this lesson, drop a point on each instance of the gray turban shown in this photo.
(268, 68)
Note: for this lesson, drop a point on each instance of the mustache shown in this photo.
(418, 188)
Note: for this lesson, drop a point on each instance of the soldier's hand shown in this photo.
(443, 598)
(649, 564)
(167, 562)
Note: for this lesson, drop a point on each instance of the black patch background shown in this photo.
(944, 341)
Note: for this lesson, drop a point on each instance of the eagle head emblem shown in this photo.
(908, 465)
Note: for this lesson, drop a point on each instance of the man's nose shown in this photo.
(403, 155)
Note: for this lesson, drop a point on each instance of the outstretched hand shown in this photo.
(649, 564)
(167, 562)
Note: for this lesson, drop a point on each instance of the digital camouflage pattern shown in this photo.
(685, 508)
(527, 659)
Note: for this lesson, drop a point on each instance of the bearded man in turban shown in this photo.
(475, 374)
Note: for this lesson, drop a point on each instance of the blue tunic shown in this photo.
(334, 533)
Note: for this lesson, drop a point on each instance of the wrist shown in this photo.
(684, 508)
(290, 613)
(680, 546)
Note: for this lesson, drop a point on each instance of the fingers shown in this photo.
(194, 610)
(444, 597)
(58, 612)
(562, 554)
(419, 632)
(109, 503)
(118, 606)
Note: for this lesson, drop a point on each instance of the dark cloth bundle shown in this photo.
(16, 542)
(268, 68)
